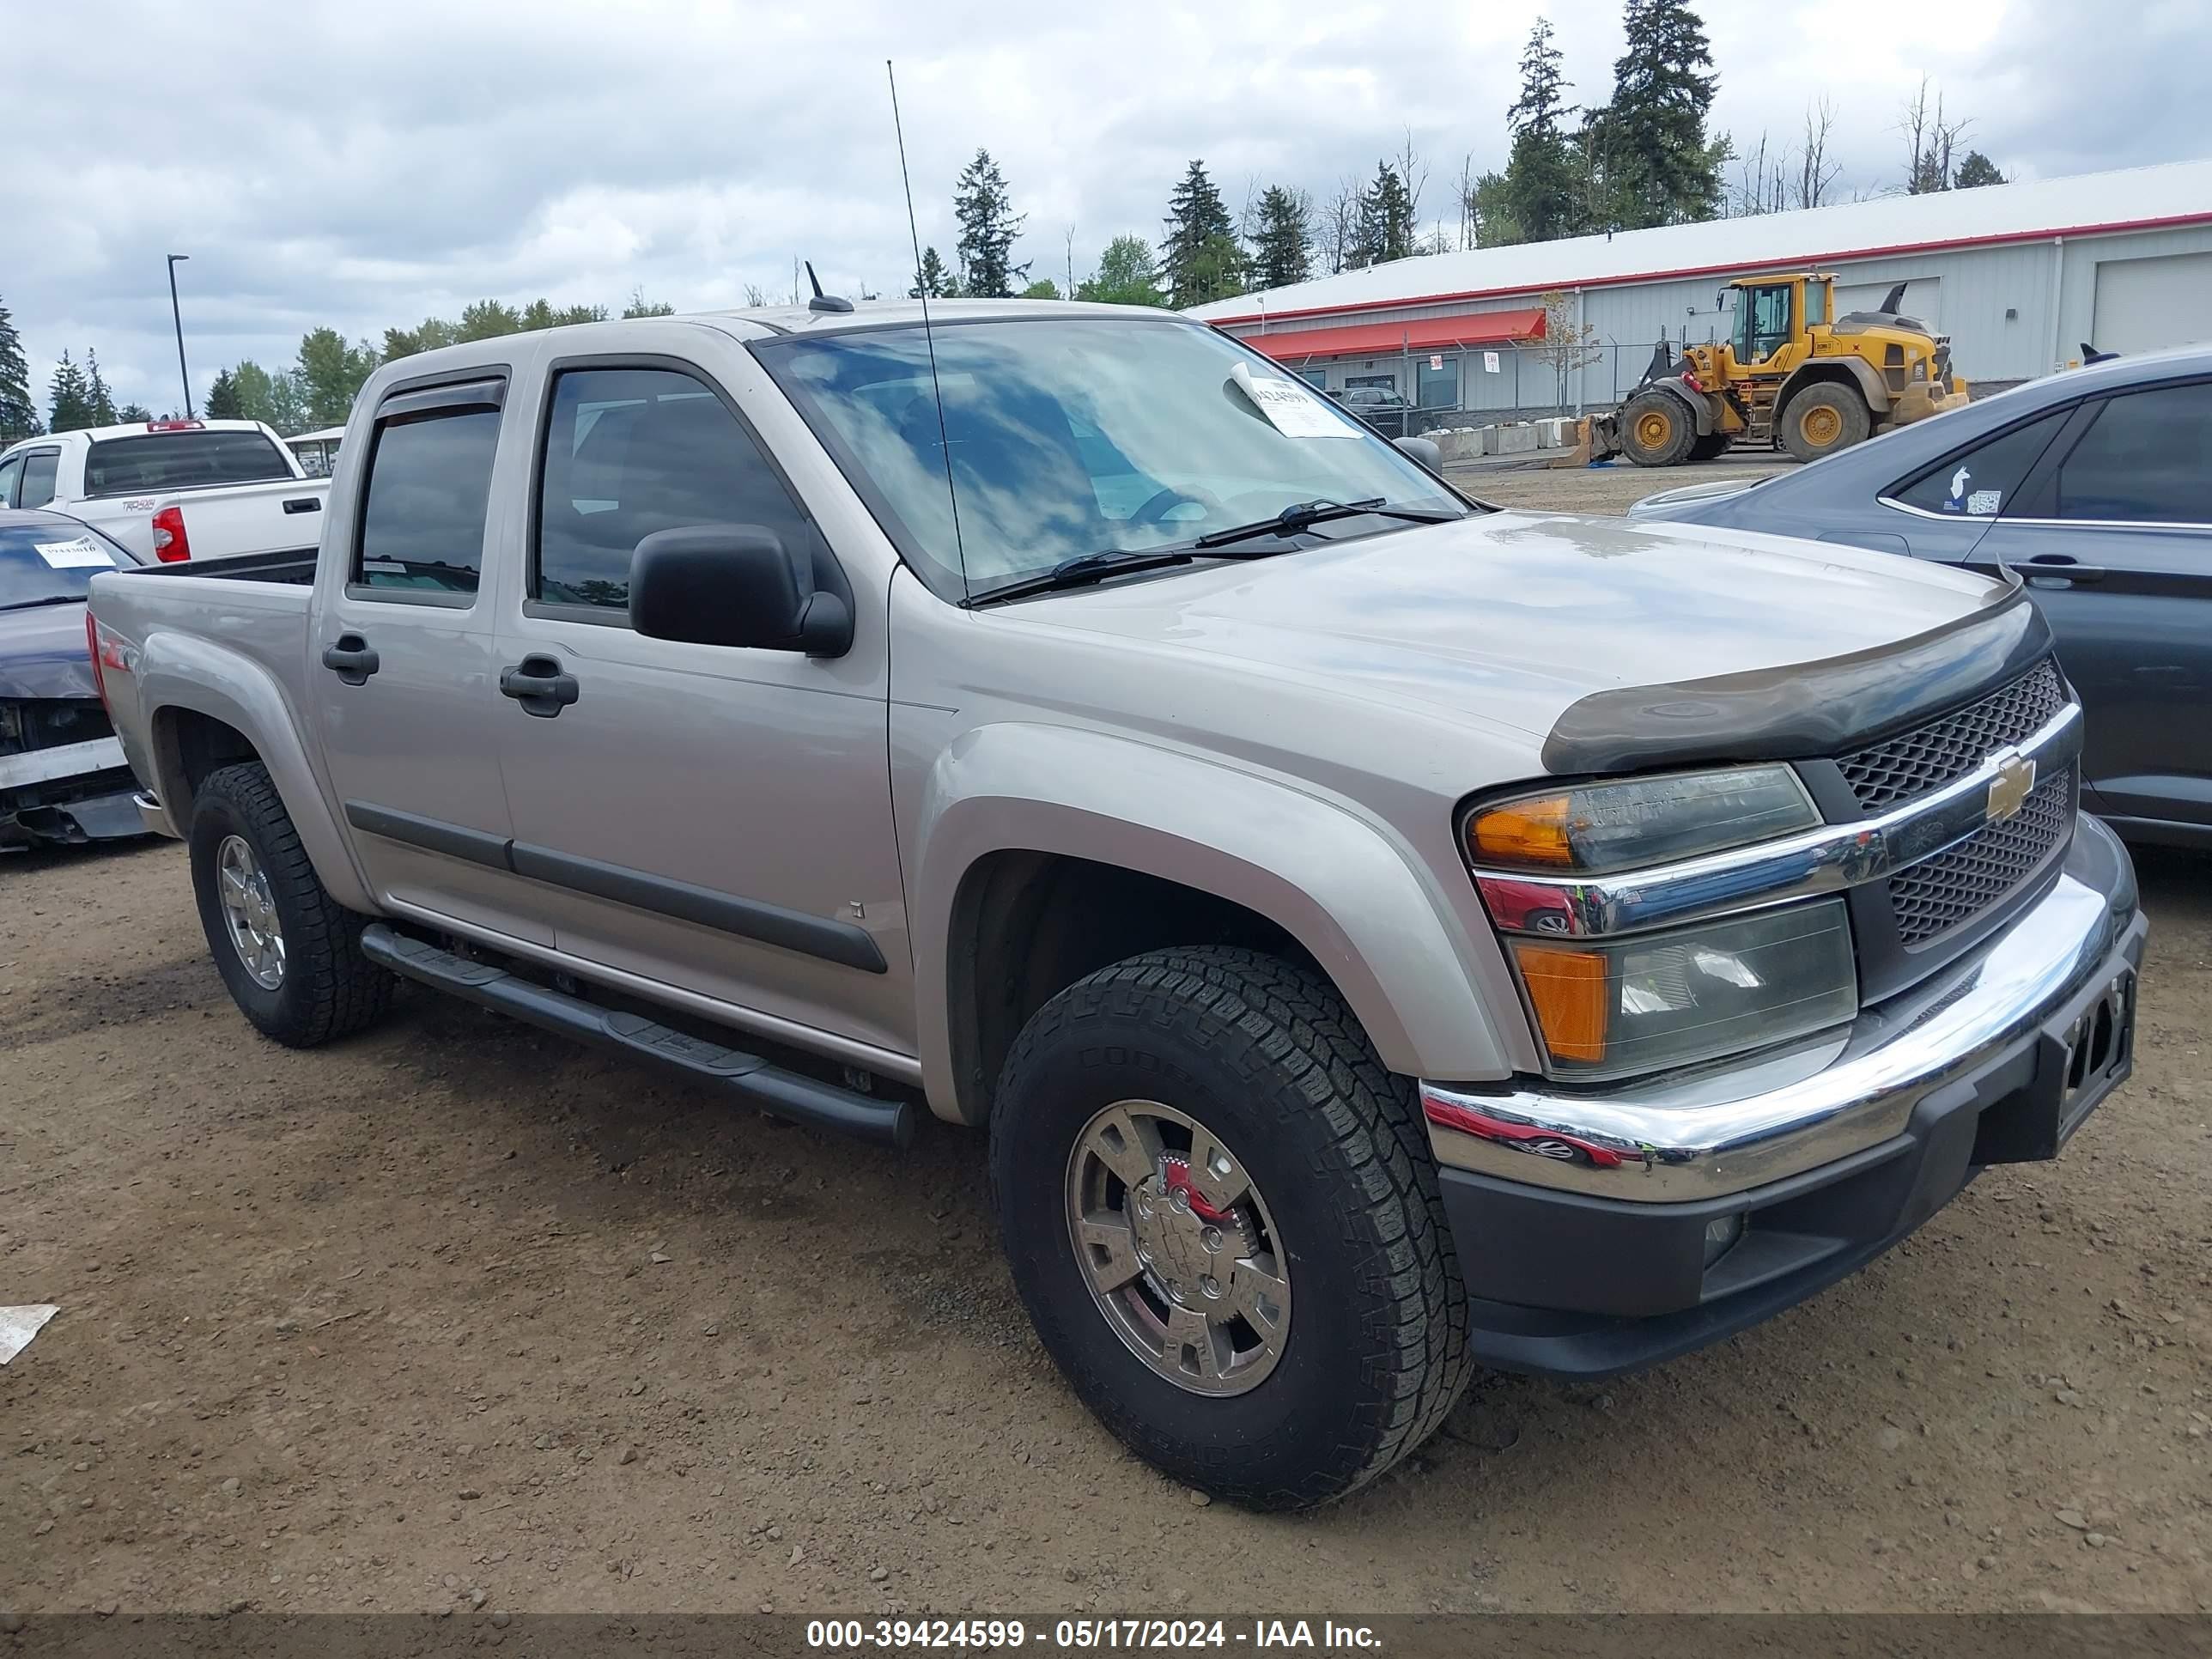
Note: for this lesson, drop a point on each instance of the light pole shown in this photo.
(183, 373)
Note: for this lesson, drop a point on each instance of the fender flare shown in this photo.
(1815, 369)
(1700, 408)
(177, 671)
(1346, 888)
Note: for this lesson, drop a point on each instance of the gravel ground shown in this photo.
(457, 1314)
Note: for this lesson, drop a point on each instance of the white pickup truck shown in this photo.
(173, 490)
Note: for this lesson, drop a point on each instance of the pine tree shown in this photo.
(97, 399)
(1125, 275)
(933, 281)
(69, 407)
(1386, 219)
(1282, 248)
(1200, 259)
(989, 226)
(254, 392)
(1539, 190)
(330, 374)
(19, 415)
(638, 306)
(222, 399)
(133, 414)
(1975, 171)
(1660, 167)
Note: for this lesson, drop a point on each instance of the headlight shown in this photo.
(1593, 828)
(1609, 1008)
(1609, 1003)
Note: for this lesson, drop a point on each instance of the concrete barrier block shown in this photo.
(1517, 440)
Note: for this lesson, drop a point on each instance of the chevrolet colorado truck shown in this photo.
(1377, 934)
(172, 490)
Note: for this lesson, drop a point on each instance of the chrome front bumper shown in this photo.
(1716, 1134)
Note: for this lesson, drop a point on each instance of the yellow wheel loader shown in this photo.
(1790, 373)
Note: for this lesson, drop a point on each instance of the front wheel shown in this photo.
(1656, 429)
(289, 954)
(1222, 1218)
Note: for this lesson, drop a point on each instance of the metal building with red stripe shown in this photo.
(2019, 275)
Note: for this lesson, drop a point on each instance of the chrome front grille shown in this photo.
(1937, 894)
(1929, 757)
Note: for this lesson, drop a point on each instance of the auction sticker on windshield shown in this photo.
(1293, 409)
(74, 555)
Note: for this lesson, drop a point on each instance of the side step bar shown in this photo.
(752, 1080)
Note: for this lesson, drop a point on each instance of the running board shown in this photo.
(752, 1080)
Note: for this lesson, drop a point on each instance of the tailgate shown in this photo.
(284, 515)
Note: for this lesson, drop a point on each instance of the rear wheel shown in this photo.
(1656, 429)
(1823, 419)
(288, 951)
(1222, 1214)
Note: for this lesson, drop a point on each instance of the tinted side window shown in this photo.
(2146, 461)
(1977, 483)
(631, 451)
(39, 469)
(423, 520)
(9, 472)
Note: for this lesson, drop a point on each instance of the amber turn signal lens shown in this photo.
(1522, 832)
(1572, 993)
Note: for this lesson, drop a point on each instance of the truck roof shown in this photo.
(882, 313)
(765, 322)
(140, 429)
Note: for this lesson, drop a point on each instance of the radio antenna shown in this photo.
(929, 339)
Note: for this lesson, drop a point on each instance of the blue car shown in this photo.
(62, 777)
(2095, 487)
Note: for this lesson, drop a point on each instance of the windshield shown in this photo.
(1091, 436)
(46, 563)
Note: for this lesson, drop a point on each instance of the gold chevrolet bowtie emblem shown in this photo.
(2009, 789)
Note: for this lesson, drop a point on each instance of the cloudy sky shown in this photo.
(369, 162)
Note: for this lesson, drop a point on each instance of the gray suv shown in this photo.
(2095, 487)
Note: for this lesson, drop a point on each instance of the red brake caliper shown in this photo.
(1175, 1175)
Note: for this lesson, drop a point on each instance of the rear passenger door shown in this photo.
(712, 818)
(2114, 535)
(404, 663)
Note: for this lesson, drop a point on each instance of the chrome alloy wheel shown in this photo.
(249, 912)
(1178, 1247)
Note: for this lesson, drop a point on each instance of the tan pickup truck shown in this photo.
(1377, 934)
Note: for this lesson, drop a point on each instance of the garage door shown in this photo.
(2145, 304)
(1923, 298)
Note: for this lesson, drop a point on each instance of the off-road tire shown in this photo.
(1269, 1057)
(1656, 429)
(1838, 414)
(329, 988)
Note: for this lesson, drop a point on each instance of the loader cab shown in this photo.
(1772, 313)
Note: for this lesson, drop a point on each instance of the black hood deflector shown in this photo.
(1805, 710)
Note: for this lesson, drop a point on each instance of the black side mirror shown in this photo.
(1423, 450)
(733, 583)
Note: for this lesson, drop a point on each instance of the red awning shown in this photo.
(1479, 328)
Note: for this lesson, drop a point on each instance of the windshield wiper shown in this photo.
(1081, 571)
(1302, 515)
(51, 598)
(1088, 567)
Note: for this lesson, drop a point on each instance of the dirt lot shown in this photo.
(455, 1311)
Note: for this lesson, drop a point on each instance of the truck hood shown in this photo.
(1514, 618)
(42, 654)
